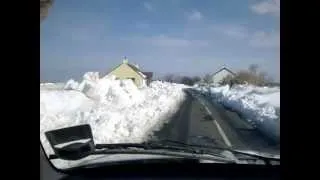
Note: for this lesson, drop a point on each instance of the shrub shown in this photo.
(207, 78)
(250, 76)
(227, 80)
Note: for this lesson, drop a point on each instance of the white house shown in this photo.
(218, 76)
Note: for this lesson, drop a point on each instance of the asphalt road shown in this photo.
(198, 117)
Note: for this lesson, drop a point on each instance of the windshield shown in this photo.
(171, 73)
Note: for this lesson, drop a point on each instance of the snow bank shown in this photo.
(116, 110)
(51, 86)
(259, 105)
(71, 84)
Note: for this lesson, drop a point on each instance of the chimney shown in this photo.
(125, 60)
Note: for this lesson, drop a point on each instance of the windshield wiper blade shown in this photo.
(166, 145)
(257, 155)
(162, 151)
(147, 146)
(151, 147)
(163, 144)
(180, 154)
(173, 142)
(124, 145)
(160, 147)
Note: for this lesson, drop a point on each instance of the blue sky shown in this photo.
(187, 37)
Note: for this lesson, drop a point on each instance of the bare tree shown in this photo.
(187, 80)
(196, 79)
(168, 78)
(263, 74)
(44, 8)
(253, 68)
(251, 76)
(270, 79)
(177, 79)
(207, 78)
(227, 80)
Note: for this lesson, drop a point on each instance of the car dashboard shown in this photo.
(164, 168)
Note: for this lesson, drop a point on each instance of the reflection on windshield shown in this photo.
(175, 82)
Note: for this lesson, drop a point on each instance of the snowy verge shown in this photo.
(117, 111)
(260, 106)
(52, 86)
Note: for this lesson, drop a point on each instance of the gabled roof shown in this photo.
(223, 68)
(136, 69)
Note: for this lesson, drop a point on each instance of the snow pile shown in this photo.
(116, 110)
(52, 86)
(259, 105)
(71, 84)
(108, 90)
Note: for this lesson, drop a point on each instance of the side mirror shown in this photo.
(71, 143)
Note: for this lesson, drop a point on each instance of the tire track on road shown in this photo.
(177, 127)
(240, 133)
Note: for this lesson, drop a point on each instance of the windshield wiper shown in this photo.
(156, 148)
(76, 142)
(258, 155)
(176, 148)
(162, 145)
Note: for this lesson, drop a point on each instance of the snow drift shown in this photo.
(51, 86)
(258, 105)
(116, 110)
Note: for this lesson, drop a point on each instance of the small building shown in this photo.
(133, 72)
(219, 75)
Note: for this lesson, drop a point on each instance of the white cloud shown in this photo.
(233, 31)
(81, 33)
(148, 6)
(195, 16)
(265, 40)
(166, 41)
(258, 39)
(237, 32)
(267, 7)
(163, 40)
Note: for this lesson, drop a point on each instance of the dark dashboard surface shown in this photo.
(160, 169)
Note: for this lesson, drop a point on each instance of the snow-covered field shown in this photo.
(116, 110)
(258, 105)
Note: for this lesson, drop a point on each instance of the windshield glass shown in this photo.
(171, 72)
